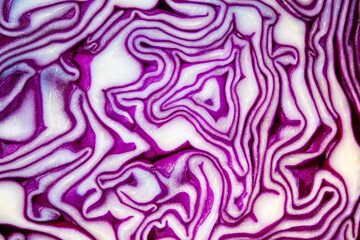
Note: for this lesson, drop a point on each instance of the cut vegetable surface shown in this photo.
(179, 119)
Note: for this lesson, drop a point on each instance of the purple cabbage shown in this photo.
(191, 119)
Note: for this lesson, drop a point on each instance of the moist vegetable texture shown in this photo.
(179, 119)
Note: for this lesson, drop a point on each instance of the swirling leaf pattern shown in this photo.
(192, 119)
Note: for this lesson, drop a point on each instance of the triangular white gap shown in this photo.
(209, 95)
